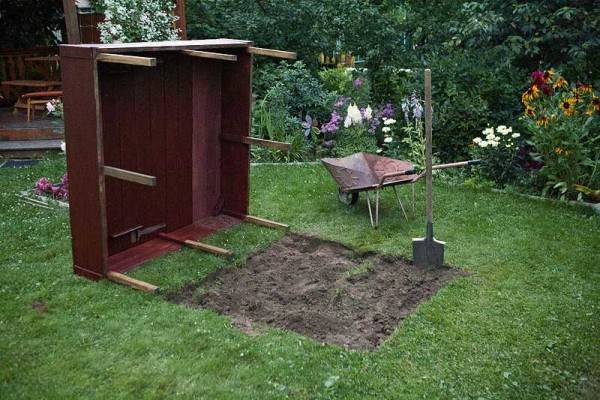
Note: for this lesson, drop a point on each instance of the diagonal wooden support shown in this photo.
(211, 55)
(125, 59)
(265, 222)
(129, 281)
(272, 53)
(197, 245)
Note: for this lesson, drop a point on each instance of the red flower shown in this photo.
(546, 89)
(538, 77)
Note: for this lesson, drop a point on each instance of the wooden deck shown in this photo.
(22, 139)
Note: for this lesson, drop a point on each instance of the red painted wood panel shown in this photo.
(236, 93)
(84, 162)
(206, 146)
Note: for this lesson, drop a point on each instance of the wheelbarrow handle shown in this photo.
(394, 174)
(456, 164)
(449, 165)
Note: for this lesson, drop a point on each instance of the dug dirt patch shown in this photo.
(320, 289)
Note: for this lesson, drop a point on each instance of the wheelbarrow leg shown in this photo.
(412, 185)
(369, 206)
(377, 209)
(400, 202)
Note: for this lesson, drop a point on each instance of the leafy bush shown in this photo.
(302, 93)
(137, 20)
(563, 121)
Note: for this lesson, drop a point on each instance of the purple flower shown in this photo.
(388, 111)
(333, 125)
(357, 82)
(375, 122)
(43, 185)
(417, 108)
(341, 102)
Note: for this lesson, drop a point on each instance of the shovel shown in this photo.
(428, 252)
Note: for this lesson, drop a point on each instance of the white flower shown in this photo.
(488, 131)
(515, 135)
(490, 136)
(379, 150)
(63, 147)
(477, 140)
(389, 121)
(354, 114)
(388, 139)
(368, 113)
(494, 143)
(386, 129)
(483, 143)
(504, 130)
(347, 121)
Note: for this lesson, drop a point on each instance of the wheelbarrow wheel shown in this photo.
(347, 198)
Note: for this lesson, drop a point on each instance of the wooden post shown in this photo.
(181, 22)
(71, 22)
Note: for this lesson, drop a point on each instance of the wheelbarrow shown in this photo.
(364, 172)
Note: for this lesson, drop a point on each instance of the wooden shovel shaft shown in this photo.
(428, 128)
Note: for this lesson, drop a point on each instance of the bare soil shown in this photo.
(320, 289)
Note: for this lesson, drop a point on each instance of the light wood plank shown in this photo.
(272, 53)
(272, 144)
(265, 222)
(198, 245)
(211, 55)
(129, 281)
(129, 176)
(124, 59)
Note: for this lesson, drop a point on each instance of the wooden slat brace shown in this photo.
(211, 55)
(125, 59)
(197, 245)
(129, 281)
(265, 222)
(283, 146)
(272, 53)
(129, 176)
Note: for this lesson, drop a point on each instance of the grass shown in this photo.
(523, 325)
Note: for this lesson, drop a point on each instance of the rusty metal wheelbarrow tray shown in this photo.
(364, 172)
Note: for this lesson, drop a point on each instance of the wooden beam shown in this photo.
(129, 281)
(181, 21)
(130, 60)
(129, 176)
(71, 22)
(197, 245)
(211, 55)
(283, 146)
(265, 222)
(272, 53)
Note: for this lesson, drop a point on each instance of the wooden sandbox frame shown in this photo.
(158, 138)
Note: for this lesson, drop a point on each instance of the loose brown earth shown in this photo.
(320, 289)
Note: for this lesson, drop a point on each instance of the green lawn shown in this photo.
(524, 324)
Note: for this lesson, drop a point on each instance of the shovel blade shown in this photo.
(428, 252)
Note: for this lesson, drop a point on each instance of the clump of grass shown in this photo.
(364, 268)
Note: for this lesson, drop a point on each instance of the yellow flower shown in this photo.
(542, 121)
(583, 88)
(567, 105)
(530, 94)
(530, 111)
(560, 82)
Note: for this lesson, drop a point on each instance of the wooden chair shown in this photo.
(37, 98)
